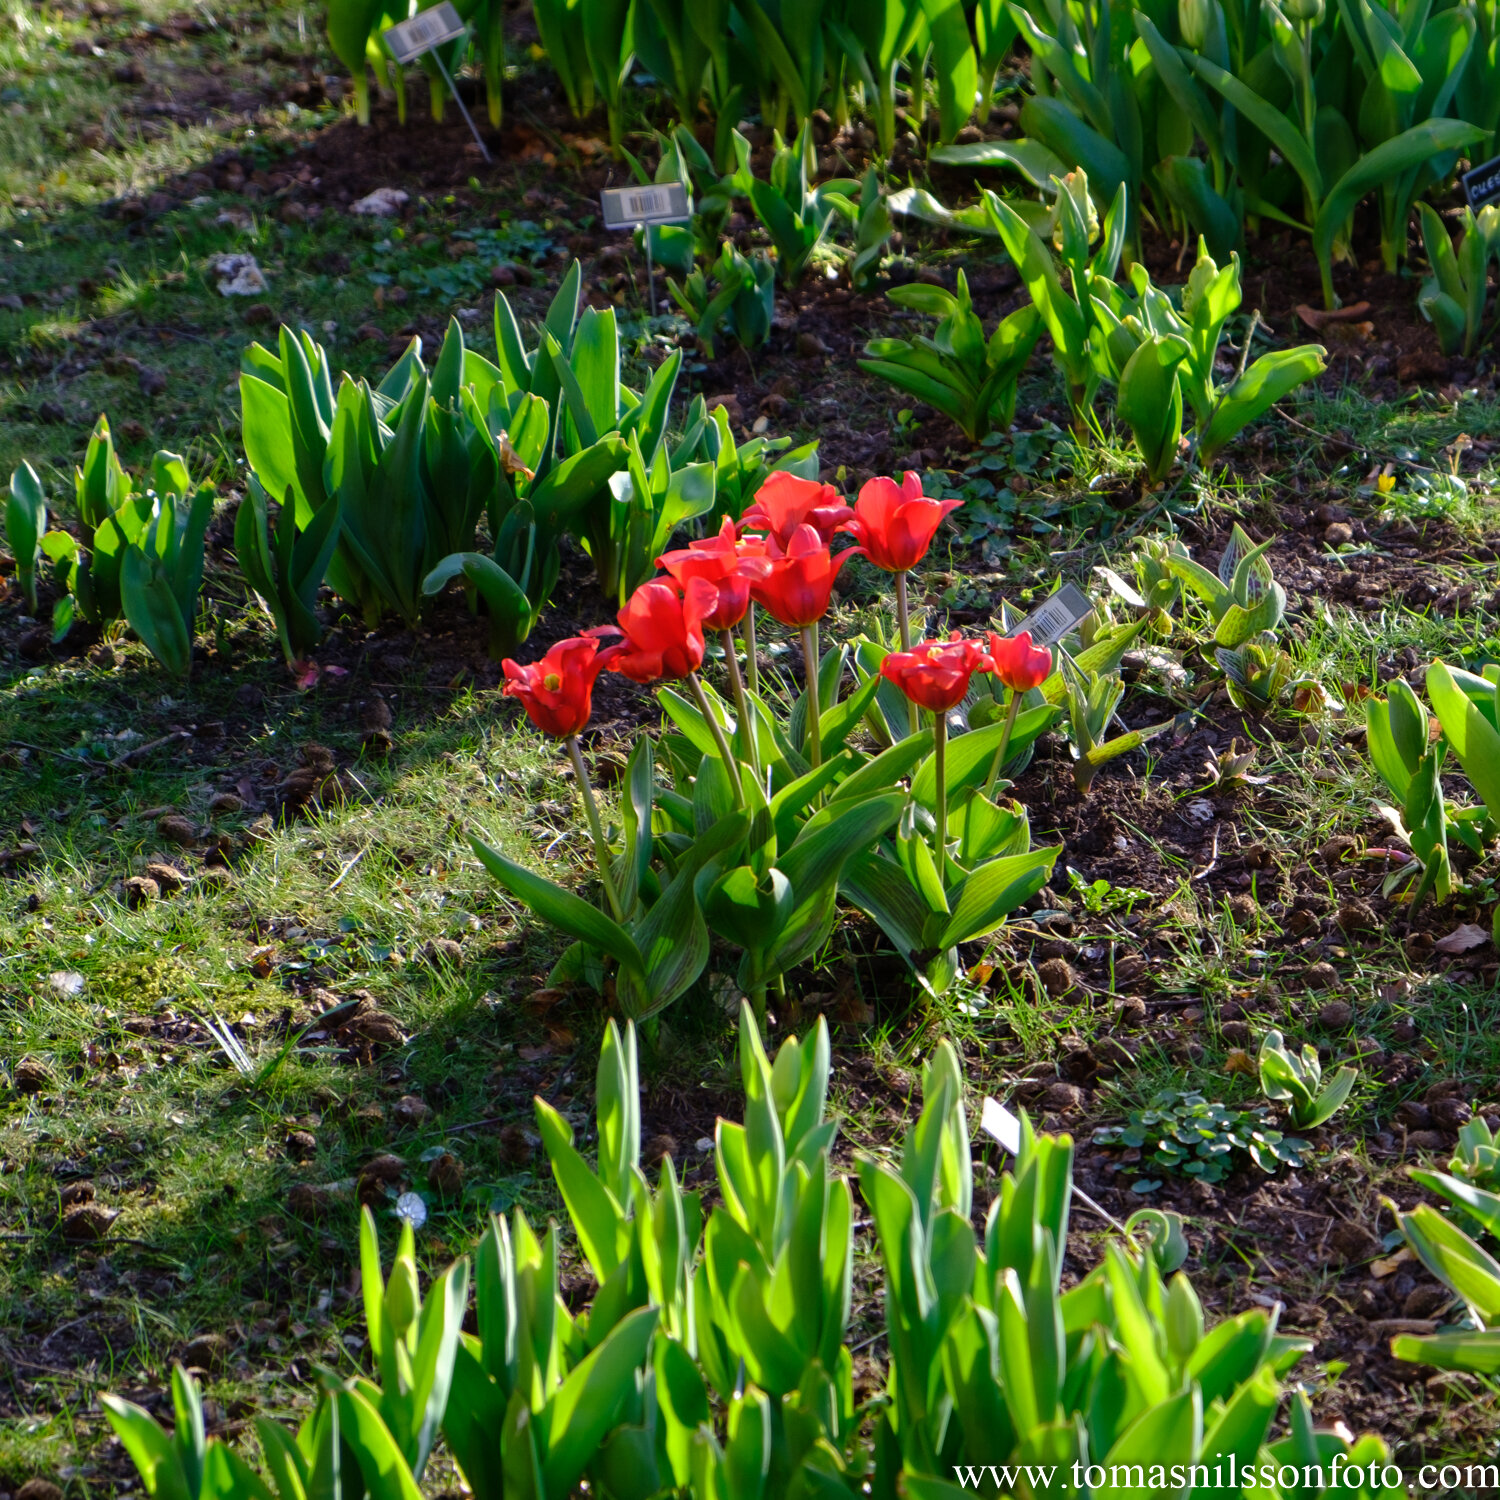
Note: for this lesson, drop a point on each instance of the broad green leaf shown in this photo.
(562, 908)
(1473, 738)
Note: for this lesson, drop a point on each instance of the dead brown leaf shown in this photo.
(1462, 939)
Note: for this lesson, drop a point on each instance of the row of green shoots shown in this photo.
(715, 1359)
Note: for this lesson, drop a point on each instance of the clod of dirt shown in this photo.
(206, 1352)
(301, 1144)
(31, 1076)
(380, 1171)
(445, 1175)
(1404, 1030)
(39, 1489)
(137, 890)
(177, 830)
(77, 1192)
(1244, 911)
(226, 802)
(810, 346)
(517, 1146)
(1129, 968)
(1443, 1088)
(1418, 946)
(1426, 1301)
(1078, 1064)
(1352, 1242)
(1336, 1015)
(376, 1027)
(1357, 916)
(1336, 847)
(1132, 1012)
(444, 953)
(1321, 976)
(409, 1111)
(169, 878)
(1057, 976)
(1451, 1114)
(315, 780)
(1336, 533)
(88, 1222)
(658, 1148)
(1111, 1053)
(308, 1201)
(1237, 1033)
(1063, 1098)
(1426, 1140)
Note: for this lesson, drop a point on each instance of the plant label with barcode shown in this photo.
(1482, 184)
(424, 31)
(653, 203)
(1051, 621)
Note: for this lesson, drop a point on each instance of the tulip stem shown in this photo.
(1011, 711)
(731, 766)
(741, 704)
(903, 621)
(752, 664)
(814, 713)
(940, 768)
(601, 849)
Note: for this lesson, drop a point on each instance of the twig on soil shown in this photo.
(346, 869)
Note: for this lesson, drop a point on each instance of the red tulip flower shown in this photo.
(796, 587)
(727, 564)
(1018, 664)
(557, 691)
(663, 629)
(936, 675)
(895, 524)
(785, 502)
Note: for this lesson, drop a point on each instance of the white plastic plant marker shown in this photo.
(1000, 1124)
(424, 32)
(997, 1121)
(639, 207)
(1052, 620)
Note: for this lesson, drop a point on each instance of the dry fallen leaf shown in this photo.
(1383, 1268)
(1240, 1061)
(1462, 939)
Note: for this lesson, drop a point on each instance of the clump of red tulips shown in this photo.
(770, 814)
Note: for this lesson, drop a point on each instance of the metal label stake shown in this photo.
(424, 32)
(641, 207)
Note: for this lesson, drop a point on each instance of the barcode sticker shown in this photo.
(1051, 621)
(656, 203)
(424, 31)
